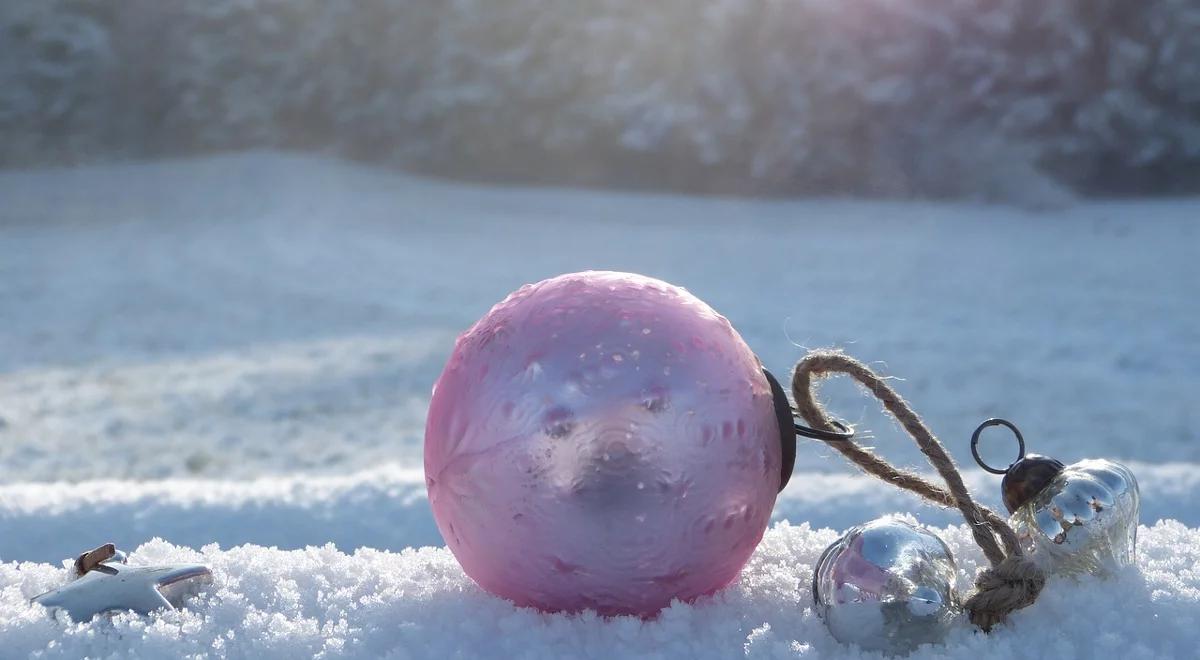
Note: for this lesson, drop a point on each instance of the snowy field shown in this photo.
(233, 355)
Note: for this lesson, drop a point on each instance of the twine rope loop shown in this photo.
(1013, 581)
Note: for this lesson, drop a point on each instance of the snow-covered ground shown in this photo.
(239, 349)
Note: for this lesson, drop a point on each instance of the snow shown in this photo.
(227, 360)
(417, 603)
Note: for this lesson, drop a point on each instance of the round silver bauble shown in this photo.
(887, 586)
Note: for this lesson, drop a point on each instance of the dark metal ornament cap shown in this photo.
(787, 428)
(1026, 478)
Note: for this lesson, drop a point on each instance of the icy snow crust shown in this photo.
(229, 359)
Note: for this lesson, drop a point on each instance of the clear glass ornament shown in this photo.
(887, 586)
(1084, 521)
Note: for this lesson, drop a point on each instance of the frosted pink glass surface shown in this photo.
(602, 441)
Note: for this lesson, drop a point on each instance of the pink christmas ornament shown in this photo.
(602, 440)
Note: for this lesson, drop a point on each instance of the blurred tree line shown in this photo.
(1026, 101)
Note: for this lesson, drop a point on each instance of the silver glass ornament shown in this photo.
(1084, 521)
(1074, 519)
(887, 586)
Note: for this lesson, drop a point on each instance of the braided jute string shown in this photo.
(1013, 581)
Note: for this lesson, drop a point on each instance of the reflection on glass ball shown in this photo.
(602, 441)
(887, 586)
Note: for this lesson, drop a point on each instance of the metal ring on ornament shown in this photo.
(789, 428)
(842, 432)
(996, 421)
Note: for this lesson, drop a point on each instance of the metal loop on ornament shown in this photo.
(996, 421)
(843, 432)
